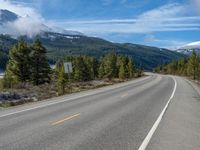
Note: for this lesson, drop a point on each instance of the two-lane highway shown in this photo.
(117, 117)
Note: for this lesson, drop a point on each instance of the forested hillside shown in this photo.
(28, 68)
(60, 45)
(185, 67)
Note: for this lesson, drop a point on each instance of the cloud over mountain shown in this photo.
(28, 21)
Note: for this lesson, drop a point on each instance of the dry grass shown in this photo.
(30, 93)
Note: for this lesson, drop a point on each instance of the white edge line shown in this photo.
(155, 126)
(73, 98)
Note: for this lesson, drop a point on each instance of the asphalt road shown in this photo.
(117, 117)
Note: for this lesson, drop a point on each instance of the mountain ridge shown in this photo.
(60, 45)
(61, 42)
(7, 16)
(188, 48)
(9, 19)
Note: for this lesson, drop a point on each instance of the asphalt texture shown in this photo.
(116, 117)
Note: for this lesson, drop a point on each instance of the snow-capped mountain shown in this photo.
(15, 25)
(187, 49)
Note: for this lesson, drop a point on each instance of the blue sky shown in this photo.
(163, 23)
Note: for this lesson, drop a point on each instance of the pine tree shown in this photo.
(110, 66)
(131, 68)
(89, 65)
(122, 73)
(81, 72)
(61, 81)
(122, 67)
(9, 80)
(40, 68)
(101, 72)
(19, 62)
(95, 67)
(193, 65)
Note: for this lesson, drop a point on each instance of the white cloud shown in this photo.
(170, 17)
(20, 9)
(29, 23)
(23, 26)
(172, 44)
(150, 38)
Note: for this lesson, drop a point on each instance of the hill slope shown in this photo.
(59, 45)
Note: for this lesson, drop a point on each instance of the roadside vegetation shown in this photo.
(189, 67)
(28, 76)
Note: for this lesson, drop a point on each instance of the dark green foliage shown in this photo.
(58, 45)
(40, 69)
(101, 71)
(116, 66)
(9, 80)
(61, 80)
(122, 67)
(193, 65)
(186, 67)
(27, 64)
(91, 66)
(131, 68)
(6, 42)
(3, 60)
(109, 63)
(87, 68)
(81, 70)
(19, 62)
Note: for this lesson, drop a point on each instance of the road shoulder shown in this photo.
(180, 127)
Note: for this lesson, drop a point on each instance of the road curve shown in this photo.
(117, 117)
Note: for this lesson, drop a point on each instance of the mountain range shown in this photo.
(7, 16)
(60, 42)
(187, 49)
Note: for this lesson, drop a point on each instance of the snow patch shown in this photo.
(72, 37)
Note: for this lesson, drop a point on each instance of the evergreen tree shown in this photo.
(122, 73)
(19, 62)
(80, 70)
(9, 80)
(89, 65)
(101, 72)
(193, 65)
(110, 66)
(95, 66)
(121, 65)
(61, 81)
(131, 68)
(40, 69)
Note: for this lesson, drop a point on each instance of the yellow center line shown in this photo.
(65, 119)
(124, 95)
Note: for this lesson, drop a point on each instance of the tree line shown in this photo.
(185, 67)
(29, 64)
(85, 68)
